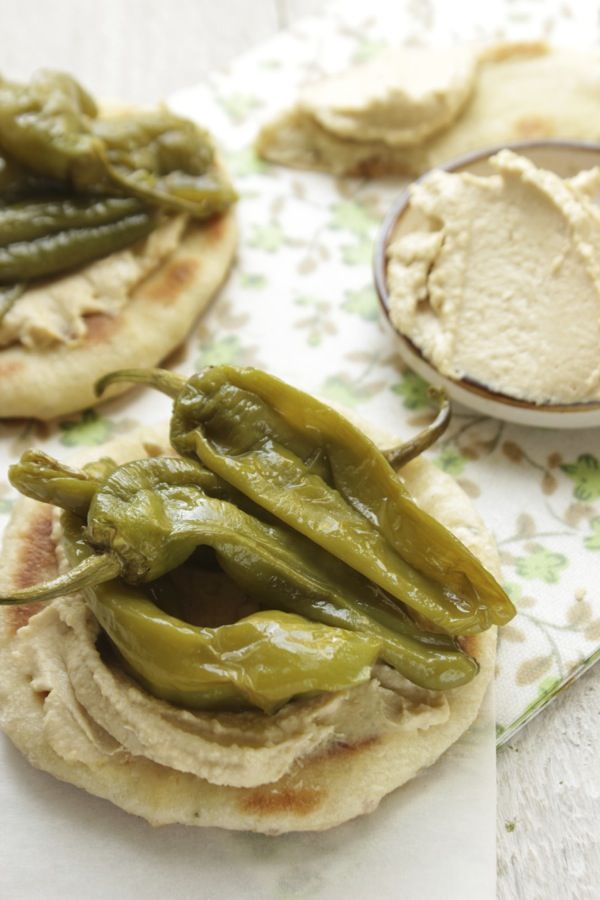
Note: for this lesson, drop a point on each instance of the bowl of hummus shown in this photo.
(488, 269)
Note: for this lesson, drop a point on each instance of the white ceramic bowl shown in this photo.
(564, 157)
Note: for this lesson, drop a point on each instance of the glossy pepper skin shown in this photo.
(148, 517)
(164, 160)
(262, 660)
(29, 220)
(60, 251)
(18, 183)
(44, 478)
(312, 469)
(152, 514)
(75, 187)
(51, 127)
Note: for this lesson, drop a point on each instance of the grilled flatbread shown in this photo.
(312, 765)
(47, 381)
(518, 92)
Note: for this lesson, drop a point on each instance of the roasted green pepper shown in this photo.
(312, 469)
(262, 660)
(43, 478)
(75, 187)
(51, 127)
(29, 220)
(151, 515)
(60, 251)
(17, 182)
(270, 487)
(165, 160)
(44, 127)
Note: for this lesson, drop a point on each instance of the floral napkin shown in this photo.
(301, 304)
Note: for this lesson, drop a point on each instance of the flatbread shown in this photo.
(321, 791)
(522, 92)
(44, 383)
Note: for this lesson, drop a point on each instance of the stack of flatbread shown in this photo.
(414, 108)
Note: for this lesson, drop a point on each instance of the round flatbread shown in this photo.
(326, 786)
(46, 382)
(520, 92)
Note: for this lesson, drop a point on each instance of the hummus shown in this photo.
(415, 108)
(92, 712)
(401, 98)
(54, 313)
(500, 283)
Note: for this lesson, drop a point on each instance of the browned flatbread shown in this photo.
(43, 383)
(322, 790)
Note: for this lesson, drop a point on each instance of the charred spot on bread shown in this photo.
(276, 800)
(168, 283)
(342, 749)
(101, 327)
(37, 552)
(36, 560)
(215, 229)
(18, 616)
(11, 367)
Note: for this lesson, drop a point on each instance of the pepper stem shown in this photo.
(92, 571)
(161, 379)
(403, 454)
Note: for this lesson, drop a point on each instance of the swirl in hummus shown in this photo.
(499, 279)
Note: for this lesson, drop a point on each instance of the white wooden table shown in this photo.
(141, 50)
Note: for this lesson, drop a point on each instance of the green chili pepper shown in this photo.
(60, 164)
(32, 219)
(262, 660)
(18, 182)
(165, 160)
(65, 250)
(276, 498)
(151, 515)
(44, 125)
(311, 468)
(43, 478)
(51, 127)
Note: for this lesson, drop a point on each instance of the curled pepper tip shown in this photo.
(161, 379)
(90, 572)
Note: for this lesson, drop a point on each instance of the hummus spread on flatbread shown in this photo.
(399, 99)
(316, 762)
(94, 711)
(416, 108)
(46, 379)
(485, 286)
(56, 311)
(116, 231)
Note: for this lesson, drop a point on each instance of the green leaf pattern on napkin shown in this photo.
(541, 564)
(586, 476)
(87, 431)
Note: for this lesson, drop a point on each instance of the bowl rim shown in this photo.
(382, 240)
